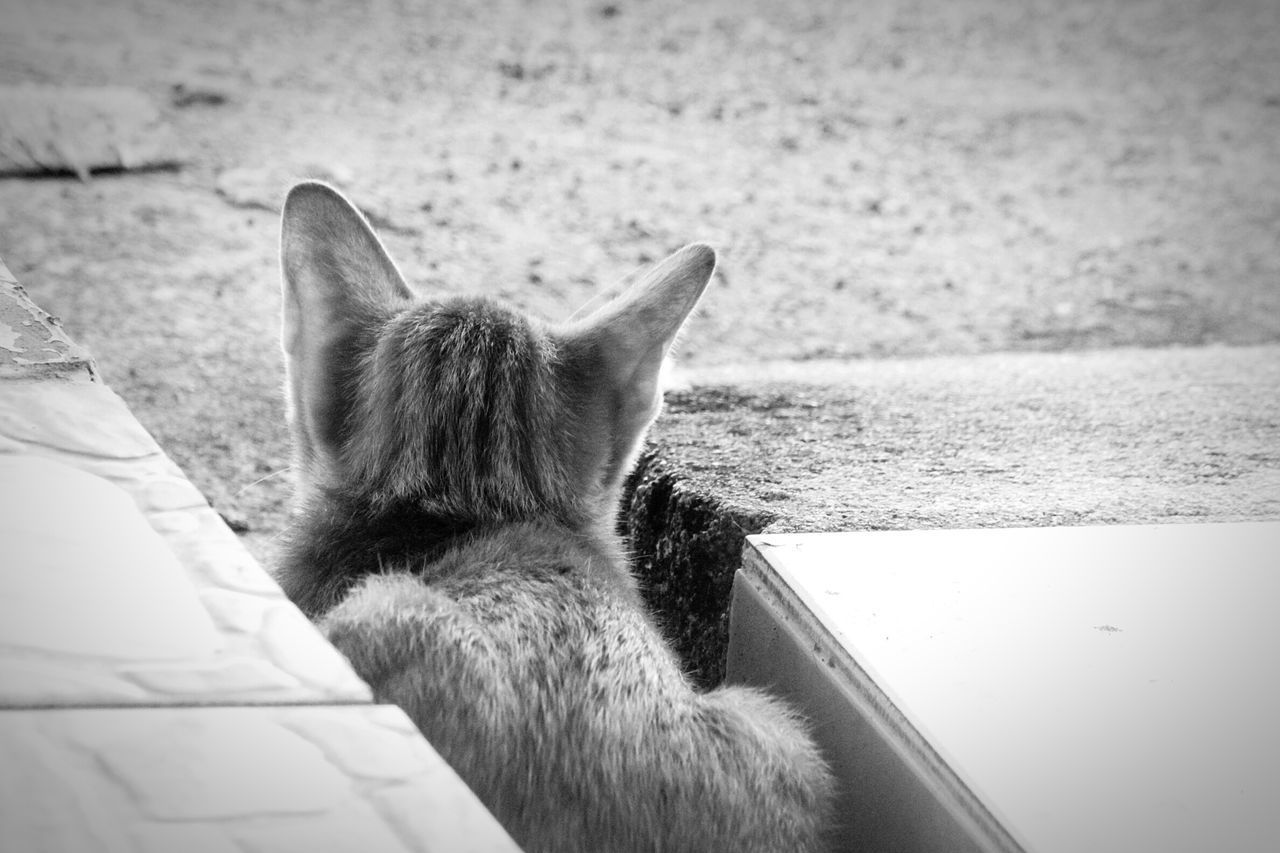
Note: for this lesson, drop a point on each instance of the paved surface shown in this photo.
(1005, 440)
(157, 690)
(1130, 435)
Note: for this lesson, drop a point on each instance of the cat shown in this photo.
(459, 472)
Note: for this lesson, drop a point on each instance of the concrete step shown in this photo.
(943, 548)
(1004, 440)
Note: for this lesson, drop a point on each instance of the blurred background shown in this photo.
(882, 179)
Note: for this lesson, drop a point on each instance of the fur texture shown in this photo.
(460, 468)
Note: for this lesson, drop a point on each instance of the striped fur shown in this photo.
(459, 473)
(460, 406)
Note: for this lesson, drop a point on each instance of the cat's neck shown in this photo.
(337, 540)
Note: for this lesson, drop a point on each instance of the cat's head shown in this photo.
(463, 405)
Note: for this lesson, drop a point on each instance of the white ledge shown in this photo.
(1047, 689)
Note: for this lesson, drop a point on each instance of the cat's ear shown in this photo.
(627, 340)
(336, 276)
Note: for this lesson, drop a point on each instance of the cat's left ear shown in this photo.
(336, 275)
(628, 339)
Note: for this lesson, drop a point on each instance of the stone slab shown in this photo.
(99, 609)
(1057, 689)
(78, 130)
(104, 585)
(228, 780)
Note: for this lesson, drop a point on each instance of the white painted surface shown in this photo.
(278, 778)
(84, 573)
(1102, 688)
(112, 596)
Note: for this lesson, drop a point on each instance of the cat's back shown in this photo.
(534, 673)
(534, 600)
(459, 470)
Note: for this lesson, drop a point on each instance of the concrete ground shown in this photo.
(1120, 436)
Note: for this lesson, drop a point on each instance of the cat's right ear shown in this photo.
(623, 345)
(336, 275)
